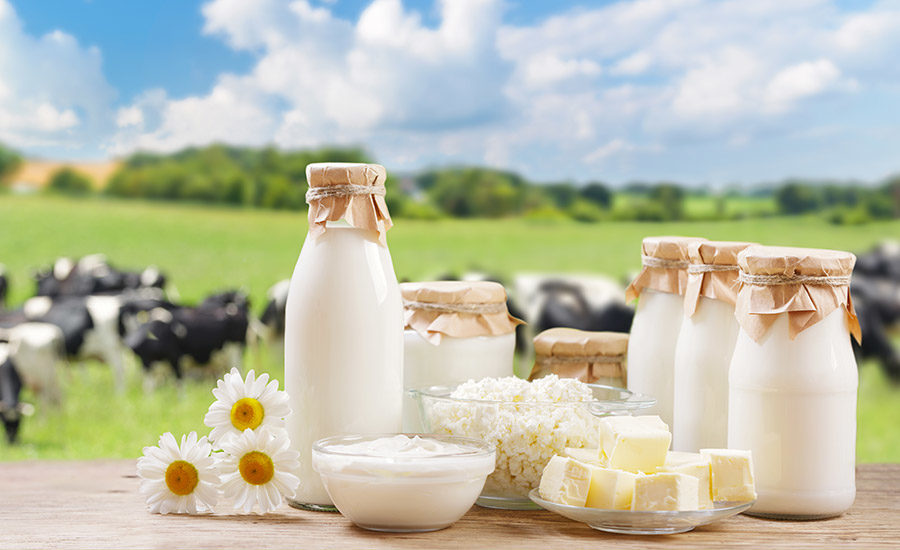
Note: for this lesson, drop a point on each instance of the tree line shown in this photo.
(271, 178)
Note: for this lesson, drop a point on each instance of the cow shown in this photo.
(38, 351)
(90, 328)
(93, 275)
(11, 408)
(877, 305)
(212, 334)
(4, 286)
(272, 318)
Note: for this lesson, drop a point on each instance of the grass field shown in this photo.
(204, 249)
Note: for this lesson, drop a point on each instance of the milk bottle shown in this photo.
(343, 357)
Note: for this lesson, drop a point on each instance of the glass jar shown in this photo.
(343, 320)
(660, 287)
(455, 331)
(705, 346)
(793, 381)
(591, 357)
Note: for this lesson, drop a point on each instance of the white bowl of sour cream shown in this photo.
(400, 482)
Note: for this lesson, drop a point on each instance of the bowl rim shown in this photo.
(630, 401)
(477, 448)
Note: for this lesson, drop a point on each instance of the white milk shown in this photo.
(793, 404)
(453, 361)
(343, 350)
(702, 357)
(651, 348)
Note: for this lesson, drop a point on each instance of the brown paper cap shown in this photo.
(672, 280)
(758, 305)
(360, 211)
(432, 325)
(718, 285)
(568, 343)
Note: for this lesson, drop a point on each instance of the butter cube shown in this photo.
(611, 489)
(696, 466)
(588, 456)
(732, 475)
(565, 481)
(634, 443)
(676, 458)
(665, 491)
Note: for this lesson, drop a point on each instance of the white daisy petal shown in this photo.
(232, 388)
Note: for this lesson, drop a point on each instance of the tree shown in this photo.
(670, 198)
(562, 194)
(69, 182)
(598, 193)
(797, 198)
(9, 162)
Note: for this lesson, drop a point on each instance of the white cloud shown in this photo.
(799, 81)
(614, 147)
(53, 92)
(130, 116)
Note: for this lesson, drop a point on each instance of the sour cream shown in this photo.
(403, 483)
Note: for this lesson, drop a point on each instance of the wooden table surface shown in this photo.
(96, 504)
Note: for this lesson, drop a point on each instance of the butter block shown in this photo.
(565, 481)
(697, 466)
(665, 491)
(732, 475)
(676, 458)
(634, 443)
(588, 456)
(610, 489)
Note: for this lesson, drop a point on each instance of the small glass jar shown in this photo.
(455, 331)
(591, 357)
(705, 346)
(657, 321)
(793, 380)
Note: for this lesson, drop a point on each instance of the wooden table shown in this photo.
(97, 505)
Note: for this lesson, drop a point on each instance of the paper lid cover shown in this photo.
(350, 191)
(713, 272)
(664, 265)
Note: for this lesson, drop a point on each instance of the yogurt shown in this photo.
(403, 483)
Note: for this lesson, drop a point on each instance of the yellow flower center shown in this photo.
(247, 413)
(181, 477)
(256, 468)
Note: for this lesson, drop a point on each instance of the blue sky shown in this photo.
(699, 91)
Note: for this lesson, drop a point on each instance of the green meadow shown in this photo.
(204, 249)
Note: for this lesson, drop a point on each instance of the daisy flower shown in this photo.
(179, 478)
(245, 404)
(258, 469)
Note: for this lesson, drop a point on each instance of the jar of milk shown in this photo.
(343, 343)
(660, 288)
(455, 331)
(705, 346)
(592, 357)
(793, 380)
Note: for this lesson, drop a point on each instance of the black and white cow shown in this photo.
(877, 305)
(11, 408)
(4, 286)
(211, 335)
(38, 351)
(272, 318)
(93, 275)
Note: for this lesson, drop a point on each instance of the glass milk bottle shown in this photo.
(659, 288)
(455, 331)
(793, 380)
(705, 346)
(343, 344)
(592, 357)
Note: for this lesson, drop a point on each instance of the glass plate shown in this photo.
(642, 523)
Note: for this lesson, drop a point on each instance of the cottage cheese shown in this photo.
(528, 422)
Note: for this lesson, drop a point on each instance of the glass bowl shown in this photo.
(382, 489)
(525, 434)
(632, 522)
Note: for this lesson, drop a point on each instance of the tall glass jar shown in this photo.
(659, 288)
(455, 331)
(705, 346)
(592, 357)
(343, 321)
(793, 380)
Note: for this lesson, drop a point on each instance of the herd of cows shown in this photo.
(88, 309)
